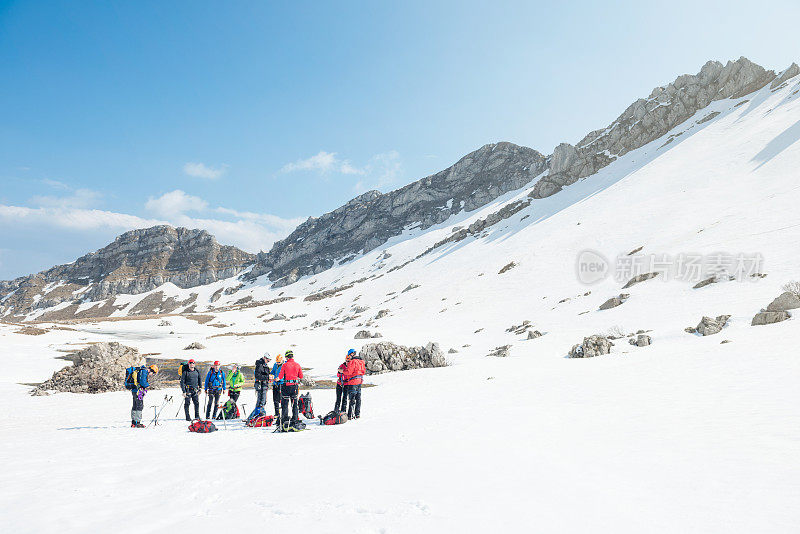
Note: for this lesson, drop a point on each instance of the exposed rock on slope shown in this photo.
(136, 262)
(592, 346)
(648, 119)
(98, 368)
(383, 357)
(369, 220)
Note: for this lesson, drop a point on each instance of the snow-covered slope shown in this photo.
(686, 435)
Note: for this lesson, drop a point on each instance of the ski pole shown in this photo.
(204, 400)
(224, 422)
(179, 405)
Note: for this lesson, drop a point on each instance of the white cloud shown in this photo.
(201, 170)
(80, 198)
(323, 162)
(383, 171)
(266, 218)
(72, 218)
(175, 203)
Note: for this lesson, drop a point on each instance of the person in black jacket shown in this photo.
(261, 382)
(191, 387)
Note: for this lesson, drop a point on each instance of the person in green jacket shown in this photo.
(235, 383)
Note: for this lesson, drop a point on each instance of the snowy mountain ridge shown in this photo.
(481, 190)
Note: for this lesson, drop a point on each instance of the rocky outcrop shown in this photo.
(500, 352)
(136, 262)
(194, 345)
(785, 301)
(595, 345)
(709, 326)
(369, 220)
(385, 356)
(365, 334)
(769, 317)
(641, 340)
(96, 369)
(639, 278)
(613, 302)
(648, 119)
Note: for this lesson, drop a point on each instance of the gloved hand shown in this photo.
(140, 394)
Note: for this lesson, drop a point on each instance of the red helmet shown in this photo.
(216, 362)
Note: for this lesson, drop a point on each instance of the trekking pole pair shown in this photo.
(167, 400)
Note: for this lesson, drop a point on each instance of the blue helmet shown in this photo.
(351, 352)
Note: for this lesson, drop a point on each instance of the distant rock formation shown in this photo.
(136, 262)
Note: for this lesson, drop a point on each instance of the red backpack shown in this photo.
(202, 427)
(263, 420)
(333, 418)
(305, 406)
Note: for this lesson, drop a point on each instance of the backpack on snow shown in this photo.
(132, 377)
(229, 411)
(259, 421)
(333, 418)
(202, 427)
(288, 426)
(305, 406)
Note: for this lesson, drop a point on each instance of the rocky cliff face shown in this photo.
(648, 119)
(369, 220)
(136, 262)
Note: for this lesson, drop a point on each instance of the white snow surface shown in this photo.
(686, 435)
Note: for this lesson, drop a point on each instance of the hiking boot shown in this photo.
(137, 425)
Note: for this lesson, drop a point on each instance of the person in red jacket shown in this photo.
(291, 373)
(353, 377)
(341, 391)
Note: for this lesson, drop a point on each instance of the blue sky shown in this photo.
(247, 117)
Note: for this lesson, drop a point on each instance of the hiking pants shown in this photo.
(261, 393)
(213, 395)
(289, 393)
(235, 395)
(276, 399)
(341, 398)
(354, 400)
(192, 396)
(137, 408)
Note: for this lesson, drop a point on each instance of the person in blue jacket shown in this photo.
(140, 378)
(215, 385)
(276, 385)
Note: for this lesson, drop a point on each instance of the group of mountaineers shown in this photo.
(283, 376)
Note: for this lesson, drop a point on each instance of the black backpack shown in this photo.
(305, 406)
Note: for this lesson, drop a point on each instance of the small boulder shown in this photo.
(592, 346)
(452, 351)
(642, 340)
(500, 352)
(785, 301)
(769, 317)
(533, 334)
(708, 326)
(639, 278)
(365, 334)
(194, 346)
(613, 302)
